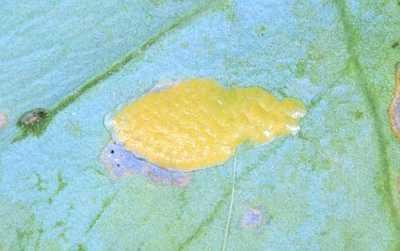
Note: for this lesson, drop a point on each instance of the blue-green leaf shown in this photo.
(334, 186)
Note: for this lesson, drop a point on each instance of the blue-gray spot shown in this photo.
(121, 162)
(252, 218)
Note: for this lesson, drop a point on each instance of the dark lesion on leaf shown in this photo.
(395, 44)
(32, 122)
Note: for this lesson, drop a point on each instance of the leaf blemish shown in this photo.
(261, 30)
(395, 44)
(252, 218)
(121, 162)
(32, 122)
(3, 120)
(394, 109)
(358, 115)
(32, 118)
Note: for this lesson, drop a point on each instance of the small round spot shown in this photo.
(3, 120)
(252, 218)
(112, 151)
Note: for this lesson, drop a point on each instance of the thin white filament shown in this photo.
(229, 219)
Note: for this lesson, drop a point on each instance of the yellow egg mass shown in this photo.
(198, 123)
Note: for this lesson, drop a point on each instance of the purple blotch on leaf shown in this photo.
(252, 218)
(121, 162)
